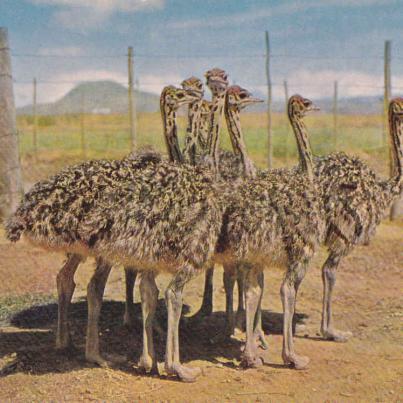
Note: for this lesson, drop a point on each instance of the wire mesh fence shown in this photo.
(90, 116)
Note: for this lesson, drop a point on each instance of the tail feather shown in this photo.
(14, 227)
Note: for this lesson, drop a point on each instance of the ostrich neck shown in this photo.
(170, 133)
(396, 141)
(235, 131)
(215, 126)
(304, 148)
(192, 131)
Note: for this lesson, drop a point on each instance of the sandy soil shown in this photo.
(368, 301)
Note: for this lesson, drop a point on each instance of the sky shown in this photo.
(313, 43)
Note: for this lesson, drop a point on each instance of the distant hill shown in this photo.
(96, 97)
(111, 97)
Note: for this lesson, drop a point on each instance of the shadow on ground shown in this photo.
(28, 344)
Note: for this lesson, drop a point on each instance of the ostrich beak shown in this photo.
(314, 108)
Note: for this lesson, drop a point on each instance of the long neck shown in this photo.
(192, 129)
(304, 148)
(235, 131)
(215, 126)
(170, 132)
(203, 131)
(396, 141)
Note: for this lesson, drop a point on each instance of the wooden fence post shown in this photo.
(35, 122)
(269, 102)
(387, 96)
(287, 130)
(10, 172)
(82, 126)
(132, 101)
(336, 115)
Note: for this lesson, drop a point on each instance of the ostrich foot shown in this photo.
(110, 361)
(95, 358)
(147, 366)
(251, 358)
(185, 374)
(261, 339)
(336, 335)
(296, 361)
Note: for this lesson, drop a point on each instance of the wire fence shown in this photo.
(88, 117)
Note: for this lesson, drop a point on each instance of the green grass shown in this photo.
(59, 141)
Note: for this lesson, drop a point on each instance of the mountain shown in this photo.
(96, 97)
(111, 97)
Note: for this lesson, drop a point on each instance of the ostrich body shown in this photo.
(54, 207)
(275, 219)
(355, 200)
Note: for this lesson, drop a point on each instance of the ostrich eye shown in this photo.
(180, 95)
(225, 76)
(242, 95)
(307, 103)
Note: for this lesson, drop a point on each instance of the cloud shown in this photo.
(285, 8)
(319, 84)
(155, 83)
(85, 15)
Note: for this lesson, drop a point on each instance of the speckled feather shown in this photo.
(162, 214)
(354, 199)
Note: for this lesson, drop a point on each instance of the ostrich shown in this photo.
(230, 168)
(76, 186)
(275, 219)
(354, 199)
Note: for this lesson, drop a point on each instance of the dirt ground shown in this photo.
(368, 301)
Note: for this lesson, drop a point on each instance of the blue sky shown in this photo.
(314, 42)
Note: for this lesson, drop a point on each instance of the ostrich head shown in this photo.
(238, 98)
(175, 97)
(194, 86)
(299, 106)
(217, 81)
(396, 107)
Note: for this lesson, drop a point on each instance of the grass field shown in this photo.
(107, 136)
(367, 301)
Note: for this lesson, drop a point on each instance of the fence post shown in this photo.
(269, 101)
(336, 115)
(35, 122)
(387, 95)
(82, 126)
(287, 129)
(10, 171)
(132, 101)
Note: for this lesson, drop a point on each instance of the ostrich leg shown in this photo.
(65, 290)
(173, 296)
(95, 291)
(206, 308)
(253, 295)
(289, 288)
(240, 313)
(329, 271)
(149, 300)
(259, 333)
(128, 318)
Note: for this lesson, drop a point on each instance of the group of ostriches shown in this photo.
(201, 206)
